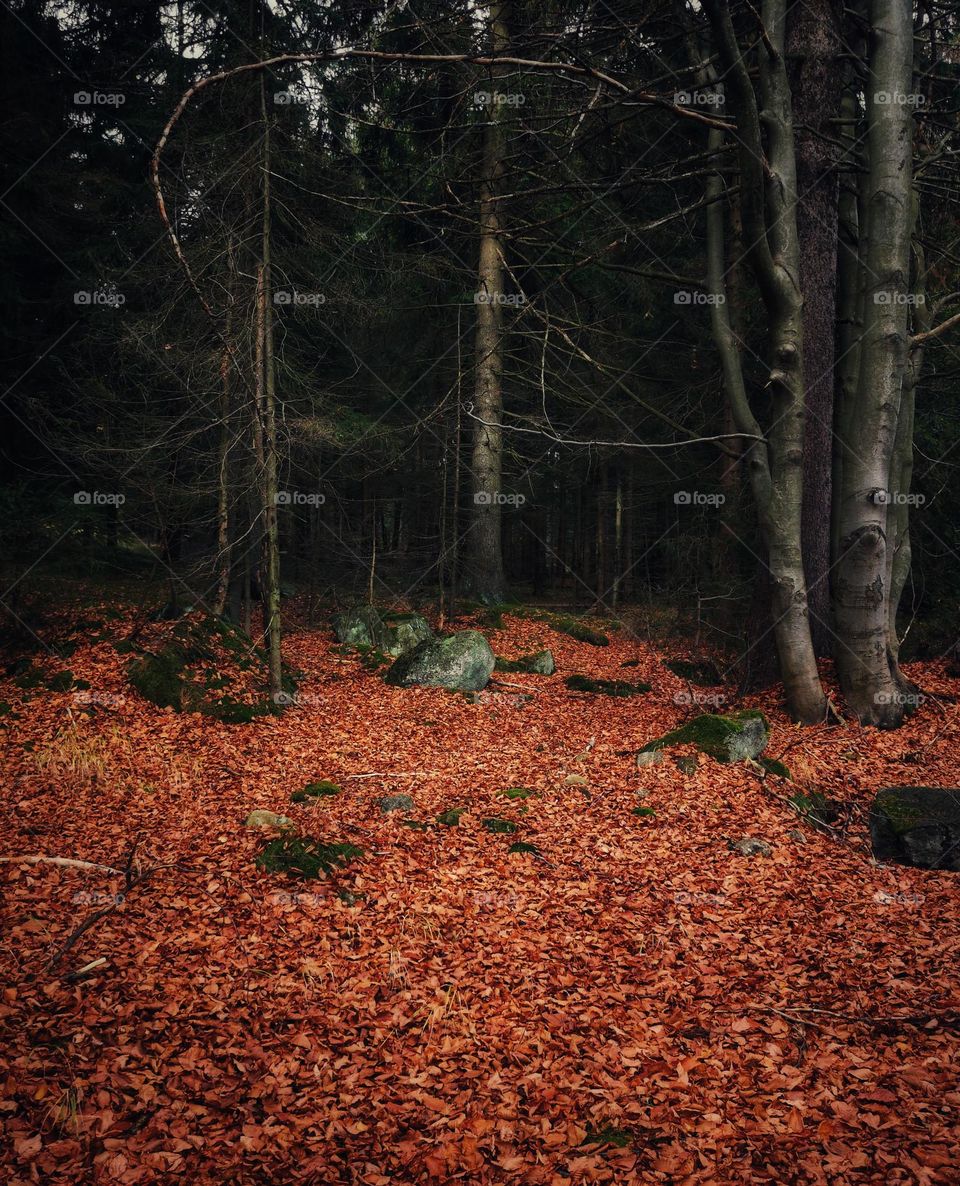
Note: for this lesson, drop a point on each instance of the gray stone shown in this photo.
(401, 634)
(649, 757)
(918, 826)
(395, 803)
(361, 627)
(267, 819)
(463, 662)
(750, 846)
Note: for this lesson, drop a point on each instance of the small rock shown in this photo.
(686, 764)
(576, 780)
(750, 846)
(797, 836)
(267, 819)
(650, 757)
(395, 803)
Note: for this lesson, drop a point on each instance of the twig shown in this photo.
(950, 1017)
(390, 774)
(64, 862)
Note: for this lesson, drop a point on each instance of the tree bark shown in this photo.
(774, 462)
(813, 46)
(484, 577)
(866, 526)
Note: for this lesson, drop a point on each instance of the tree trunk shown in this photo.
(271, 591)
(866, 526)
(813, 46)
(484, 577)
(774, 460)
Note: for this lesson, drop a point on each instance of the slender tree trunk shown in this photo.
(484, 573)
(271, 591)
(775, 460)
(813, 46)
(866, 526)
(223, 448)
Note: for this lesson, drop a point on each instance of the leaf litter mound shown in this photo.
(590, 996)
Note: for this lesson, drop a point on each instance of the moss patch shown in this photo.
(315, 790)
(303, 856)
(717, 736)
(504, 826)
(518, 793)
(206, 665)
(605, 687)
(608, 1135)
(522, 846)
(451, 818)
(703, 673)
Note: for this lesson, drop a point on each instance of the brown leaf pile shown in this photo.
(637, 1004)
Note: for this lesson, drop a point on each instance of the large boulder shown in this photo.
(732, 738)
(394, 634)
(360, 627)
(917, 826)
(403, 632)
(461, 661)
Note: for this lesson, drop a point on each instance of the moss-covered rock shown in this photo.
(730, 738)
(605, 687)
(360, 627)
(451, 817)
(390, 803)
(366, 628)
(540, 663)
(403, 632)
(917, 826)
(463, 662)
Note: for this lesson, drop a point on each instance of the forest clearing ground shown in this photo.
(444, 1010)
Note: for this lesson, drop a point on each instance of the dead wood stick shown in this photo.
(65, 862)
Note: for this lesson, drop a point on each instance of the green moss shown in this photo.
(704, 673)
(451, 818)
(644, 812)
(303, 856)
(521, 846)
(709, 733)
(324, 789)
(574, 628)
(518, 793)
(28, 676)
(902, 816)
(504, 826)
(417, 825)
(373, 659)
(608, 1135)
(815, 807)
(773, 766)
(159, 676)
(164, 677)
(604, 687)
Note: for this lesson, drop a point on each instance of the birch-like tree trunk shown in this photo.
(871, 423)
(767, 163)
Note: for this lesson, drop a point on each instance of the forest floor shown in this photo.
(635, 1003)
